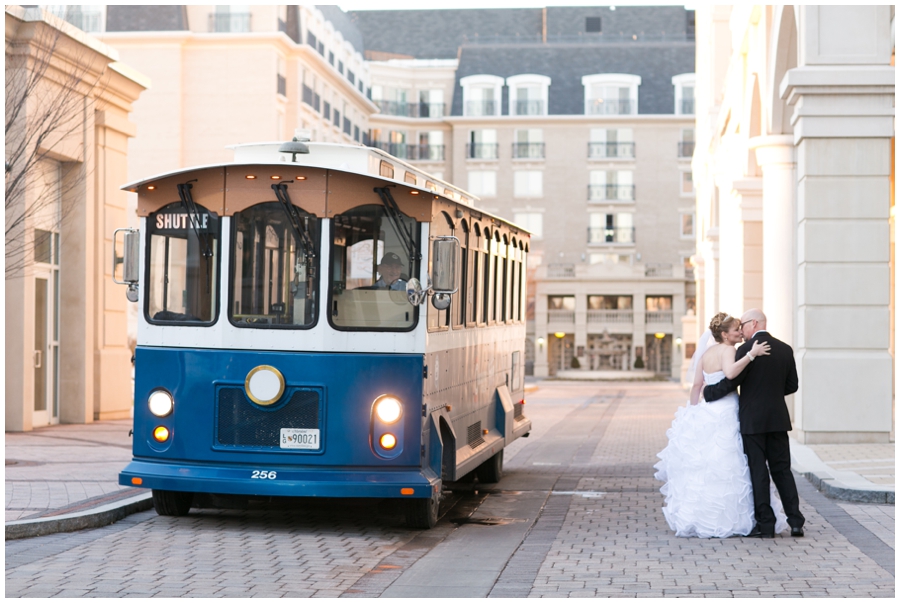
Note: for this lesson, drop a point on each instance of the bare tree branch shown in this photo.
(51, 96)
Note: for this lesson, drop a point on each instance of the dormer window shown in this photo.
(684, 93)
(611, 94)
(481, 95)
(528, 94)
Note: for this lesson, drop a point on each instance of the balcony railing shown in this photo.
(529, 107)
(528, 150)
(610, 316)
(229, 22)
(85, 21)
(659, 317)
(478, 108)
(611, 106)
(482, 150)
(687, 106)
(610, 150)
(432, 110)
(660, 269)
(561, 316)
(611, 192)
(561, 270)
(405, 109)
(394, 107)
(428, 152)
(611, 235)
(413, 152)
(685, 149)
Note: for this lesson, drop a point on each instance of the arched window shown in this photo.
(481, 94)
(528, 94)
(684, 93)
(611, 94)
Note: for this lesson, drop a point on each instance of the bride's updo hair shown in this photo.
(719, 324)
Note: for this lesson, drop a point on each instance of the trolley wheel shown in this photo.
(490, 471)
(422, 513)
(167, 502)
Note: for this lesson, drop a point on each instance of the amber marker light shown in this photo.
(250, 177)
(161, 434)
(275, 177)
(388, 441)
(136, 481)
(301, 177)
(407, 491)
(413, 192)
(151, 188)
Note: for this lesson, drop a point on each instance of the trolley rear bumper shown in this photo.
(288, 481)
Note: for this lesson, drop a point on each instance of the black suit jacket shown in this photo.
(764, 384)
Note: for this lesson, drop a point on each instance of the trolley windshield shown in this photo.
(273, 273)
(370, 266)
(182, 273)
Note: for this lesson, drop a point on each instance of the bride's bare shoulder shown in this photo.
(712, 358)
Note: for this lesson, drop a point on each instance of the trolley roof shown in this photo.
(367, 161)
(354, 159)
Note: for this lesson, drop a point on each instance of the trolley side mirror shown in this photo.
(130, 260)
(444, 254)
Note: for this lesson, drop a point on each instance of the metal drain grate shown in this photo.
(475, 437)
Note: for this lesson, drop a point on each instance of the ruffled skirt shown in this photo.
(708, 493)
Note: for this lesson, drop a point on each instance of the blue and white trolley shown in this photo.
(274, 359)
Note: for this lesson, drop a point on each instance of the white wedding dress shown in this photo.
(708, 490)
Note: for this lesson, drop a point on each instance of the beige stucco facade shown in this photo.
(67, 354)
(794, 178)
(213, 89)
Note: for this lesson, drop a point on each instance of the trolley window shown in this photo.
(370, 266)
(182, 274)
(273, 268)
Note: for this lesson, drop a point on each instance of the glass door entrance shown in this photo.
(45, 355)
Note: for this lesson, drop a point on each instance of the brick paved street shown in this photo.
(577, 514)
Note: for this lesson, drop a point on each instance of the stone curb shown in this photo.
(92, 518)
(828, 487)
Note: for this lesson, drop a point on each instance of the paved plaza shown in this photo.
(576, 515)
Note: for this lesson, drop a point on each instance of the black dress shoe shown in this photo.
(755, 533)
(797, 532)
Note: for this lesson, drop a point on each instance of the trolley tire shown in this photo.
(422, 513)
(167, 502)
(491, 471)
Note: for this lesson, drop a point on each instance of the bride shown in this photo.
(708, 492)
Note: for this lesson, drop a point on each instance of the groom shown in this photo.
(765, 422)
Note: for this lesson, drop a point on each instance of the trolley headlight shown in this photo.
(161, 403)
(388, 441)
(388, 409)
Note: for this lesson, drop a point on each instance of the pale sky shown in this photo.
(399, 5)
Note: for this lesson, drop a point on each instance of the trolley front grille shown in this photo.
(475, 437)
(243, 423)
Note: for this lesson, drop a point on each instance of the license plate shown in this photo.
(300, 439)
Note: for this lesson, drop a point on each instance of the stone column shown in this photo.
(842, 101)
(775, 155)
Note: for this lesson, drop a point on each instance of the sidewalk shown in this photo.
(65, 477)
